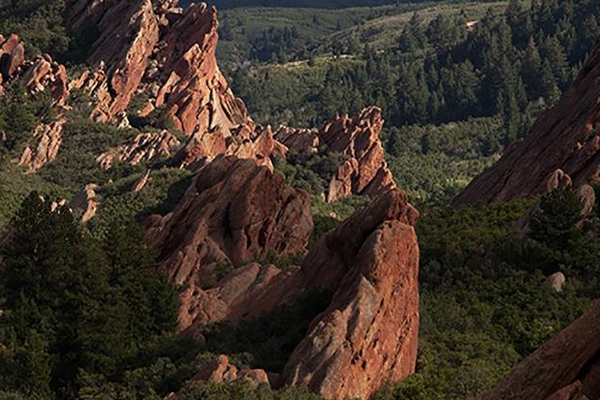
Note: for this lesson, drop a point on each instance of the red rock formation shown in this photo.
(368, 334)
(85, 205)
(567, 367)
(366, 171)
(38, 75)
(49, 138)
(45, 74)
(298, 139)
(129, 32)
(12, 56)
(204, 307)
(562, 145)
(233, 212)
(192, 88)
(144, 147)
(257, 144)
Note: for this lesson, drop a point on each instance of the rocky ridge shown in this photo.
(562, 147)
(365, 172)
(369, 332)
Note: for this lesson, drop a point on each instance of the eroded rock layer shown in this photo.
(144, 147)
(567, 367)
(365, 172)
(234, 212)
(563, 145)
(368, 334)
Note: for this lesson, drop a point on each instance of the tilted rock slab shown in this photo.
(234, 212)
(567, 367)
(562, 146)
(369, 333)
(129, 33)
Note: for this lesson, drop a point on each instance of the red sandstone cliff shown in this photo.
(563, 145)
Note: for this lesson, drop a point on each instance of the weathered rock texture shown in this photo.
(567, 367)
(563, 145)
(49, 139)
(37, 76)
(365, 172)
(368, 334)
(144, 147)
(129, 33)
(234, 212)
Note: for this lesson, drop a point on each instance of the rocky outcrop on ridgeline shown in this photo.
(563, 145)
(148, 146)
(567, 367)
(365, 172)
(129, 33)
(168, 54)
(368, 334)
(234, 212)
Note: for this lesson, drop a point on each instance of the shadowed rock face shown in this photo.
(366, 171)
(234, 212)
(567, 367)
(368, 334)
(563, 145)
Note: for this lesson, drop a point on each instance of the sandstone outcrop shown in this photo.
(369, 332)
(49, 138)
(37, 76)
(257, 144)
(144, 147)
(567, 367)
(12, 56)
(167, 53)
(365, 172)
(563, 145)
(203, 307)
(234, 212)
(129, 33)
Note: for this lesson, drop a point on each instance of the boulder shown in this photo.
(562, 147)
(556, 282)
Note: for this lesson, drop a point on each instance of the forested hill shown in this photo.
(331, 4)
